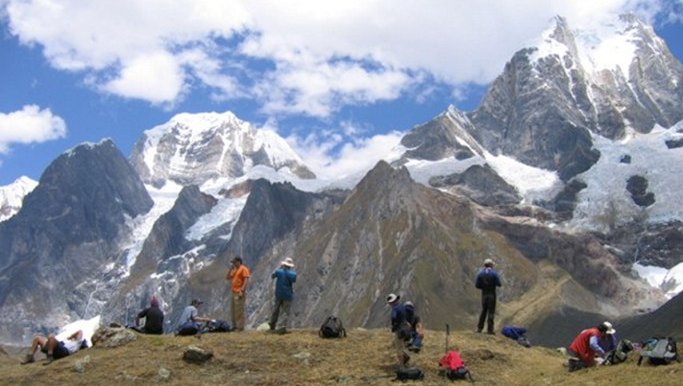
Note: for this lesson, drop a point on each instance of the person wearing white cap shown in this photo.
(585, 347)
(400, 327)
(487, 281)
(285, 277)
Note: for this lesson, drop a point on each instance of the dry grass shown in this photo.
(363, 358)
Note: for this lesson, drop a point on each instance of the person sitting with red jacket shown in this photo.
(586, 346)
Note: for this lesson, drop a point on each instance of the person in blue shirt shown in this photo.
(284, 277)
(400, 327)
(487, 281)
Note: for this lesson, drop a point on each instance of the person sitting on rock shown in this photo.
(54, 348)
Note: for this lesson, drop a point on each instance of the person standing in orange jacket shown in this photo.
(239, 277)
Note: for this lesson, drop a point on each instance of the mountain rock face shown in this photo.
(12, 195)
(394, 235)
(481, 184)
(70, 225)
(193, 148)
(583, 90)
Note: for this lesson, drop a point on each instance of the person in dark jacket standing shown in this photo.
(284, 277)
(154, 319)
(487, 281)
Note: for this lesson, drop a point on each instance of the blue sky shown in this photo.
(338, 79)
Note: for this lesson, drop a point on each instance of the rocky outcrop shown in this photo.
(637, 187)
(447, 135)
(482, 184)
(564, 202)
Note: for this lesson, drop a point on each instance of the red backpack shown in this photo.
(454, 367)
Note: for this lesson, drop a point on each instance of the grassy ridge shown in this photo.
(302, 358)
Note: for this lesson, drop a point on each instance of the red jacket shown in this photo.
(582, 348)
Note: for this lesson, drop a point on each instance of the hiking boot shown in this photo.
(281, 331)
(28, 359)
(490, 332)
(49, 360)
(405, 359)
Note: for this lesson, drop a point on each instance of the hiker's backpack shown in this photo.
(659, 351)
(409, 373)
(218, 326)
(332, 327)
(619, 354)
(453, 366)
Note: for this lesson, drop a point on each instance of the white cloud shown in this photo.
(332, 155)
(156, 77)
(28, 125)
(293, 56)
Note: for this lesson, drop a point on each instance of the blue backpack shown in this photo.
(659, 351)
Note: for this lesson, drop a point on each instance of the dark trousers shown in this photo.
(488, 308)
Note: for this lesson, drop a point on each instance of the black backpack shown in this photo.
(619, 354)
(332, 328)
(218, 326)
(409, 373)
(659, 351)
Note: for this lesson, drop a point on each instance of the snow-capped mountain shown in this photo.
(584, 123)
(567, 175)
(195, 148)
(584, 89)
(12, 195)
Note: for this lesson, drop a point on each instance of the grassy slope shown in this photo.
(364, 358)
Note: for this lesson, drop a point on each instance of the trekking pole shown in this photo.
(448, 332)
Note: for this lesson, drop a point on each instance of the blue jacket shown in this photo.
(487, 281)
(285, 278)
(398, 316)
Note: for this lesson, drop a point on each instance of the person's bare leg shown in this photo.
(37, 343)
(51, 344)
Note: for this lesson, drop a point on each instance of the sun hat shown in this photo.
(489, 262)
(607, 328)
(392, 298)
(288, 262)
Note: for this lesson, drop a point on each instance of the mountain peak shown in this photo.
(194, 148)
(12, 195)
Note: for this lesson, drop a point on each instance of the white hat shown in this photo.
(607, 326)
(288, 262)
(392, 298)
(488, 262)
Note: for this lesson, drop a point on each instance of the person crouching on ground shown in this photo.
(53, 348)
(285, 277)
(585, 347)
(401, 329)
